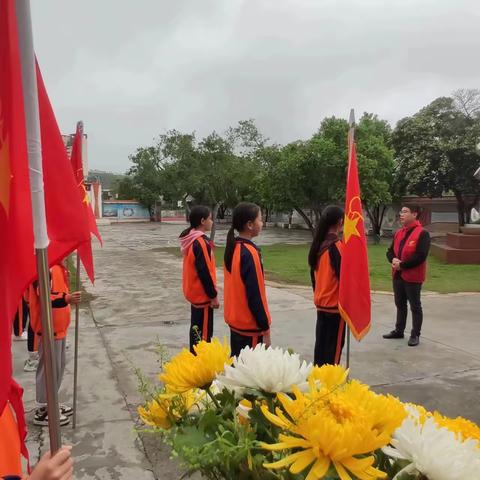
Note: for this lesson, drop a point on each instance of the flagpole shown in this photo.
(34, 145)
(77, 315)
(351, 139)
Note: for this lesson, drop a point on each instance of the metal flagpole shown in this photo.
(351, 139)
(77, 315)
(75, 363)
(32, 123)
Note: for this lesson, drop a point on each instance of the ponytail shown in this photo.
(242, 214)
(185, 232)
(229, 248)
(197, 214)
(331, 215)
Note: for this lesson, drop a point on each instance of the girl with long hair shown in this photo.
(324, 260)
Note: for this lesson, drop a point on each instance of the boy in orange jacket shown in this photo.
(61, 301)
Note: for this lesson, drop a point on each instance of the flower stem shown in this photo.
(214, 400)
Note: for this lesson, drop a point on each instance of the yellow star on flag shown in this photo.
(351, 220)
(86, 199)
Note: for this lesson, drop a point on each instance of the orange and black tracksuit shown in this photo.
(199, 288)
(61, 314)
(246, 309)
(330, 329)
(10, 446)
(12, 435)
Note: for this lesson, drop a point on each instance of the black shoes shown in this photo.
(394, 334)
(413, 341)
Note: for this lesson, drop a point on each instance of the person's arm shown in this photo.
(312, 278)
(335, 259)
(420, 254)
(390, 253)
(249, 276)
(203, 272)
(58, 467)
(61, 300)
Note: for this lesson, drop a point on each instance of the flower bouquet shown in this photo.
(269, 415)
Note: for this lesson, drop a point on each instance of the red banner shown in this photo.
(354, 295)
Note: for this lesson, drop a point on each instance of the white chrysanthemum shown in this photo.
(266, 369)
(433, 451)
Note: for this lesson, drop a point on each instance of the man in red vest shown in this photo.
(408, 257)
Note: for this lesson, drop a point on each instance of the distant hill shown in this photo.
(107, 179)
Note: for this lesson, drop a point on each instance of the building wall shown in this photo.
(124, 211)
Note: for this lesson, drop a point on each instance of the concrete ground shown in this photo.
(138, 304)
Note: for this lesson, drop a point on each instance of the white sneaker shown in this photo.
(20, 338)
(30, 365)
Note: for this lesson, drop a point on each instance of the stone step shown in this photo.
(463, 241)
(455, 255)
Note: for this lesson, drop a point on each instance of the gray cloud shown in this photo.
(132, 70)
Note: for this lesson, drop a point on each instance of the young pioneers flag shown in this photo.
(85, 249)
(354, 295)
(17, 261)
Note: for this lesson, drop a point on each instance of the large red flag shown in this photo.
(17, 261)
(67, 223)
(85, 249)
(354, 296)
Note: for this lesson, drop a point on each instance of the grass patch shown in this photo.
(288, 264)
(71, 264)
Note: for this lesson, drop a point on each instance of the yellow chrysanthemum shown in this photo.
(386, 413)
(155, 414)
(464, 429)
(167, 408)
(330, 376)
(334, 428)
(186, 370)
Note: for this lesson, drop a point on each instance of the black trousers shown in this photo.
(20, 324)
(201, 325)
(31, 347)
(329, 338)
(408, 292)
(238, 342)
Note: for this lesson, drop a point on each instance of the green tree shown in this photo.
(143, 180)
(436, 153)
(376, 168)
(311, 174)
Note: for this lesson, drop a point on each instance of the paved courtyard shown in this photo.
(138, 304)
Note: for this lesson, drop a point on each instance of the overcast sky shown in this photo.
(133, 69)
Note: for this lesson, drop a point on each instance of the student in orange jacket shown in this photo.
(246, 309)
(325, 258)
(61, 301)
(199, 274)
(58, 467)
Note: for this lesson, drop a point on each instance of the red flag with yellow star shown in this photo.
(67, 223)
(85, 249)
(354, 295)
(17, 261)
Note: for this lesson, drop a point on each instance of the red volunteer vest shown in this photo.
(415, 274)
(192, 286)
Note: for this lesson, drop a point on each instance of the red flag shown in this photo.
(17, 261)
(354, 296)
(67, 223)
(84, 250)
